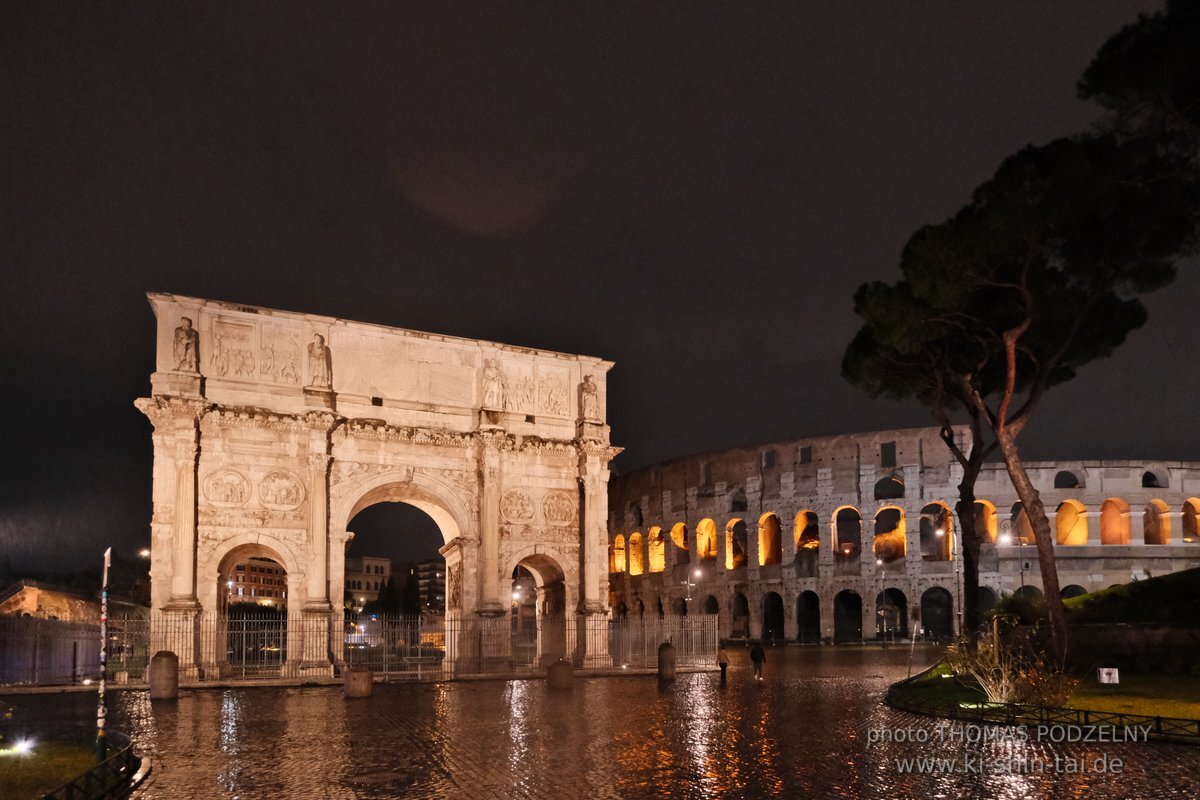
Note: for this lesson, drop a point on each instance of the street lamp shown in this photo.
(941, 533)
(689, 583)
(1006, 539)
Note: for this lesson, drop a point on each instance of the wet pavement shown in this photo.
(802, 732)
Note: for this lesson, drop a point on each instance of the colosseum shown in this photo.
(845, 538)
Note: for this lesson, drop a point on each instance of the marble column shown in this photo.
(489, 524)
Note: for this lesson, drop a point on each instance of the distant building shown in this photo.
(258, 580)
(365, 578)
(431, 580)
(29, 598)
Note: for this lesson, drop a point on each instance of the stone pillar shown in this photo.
(183, 553)
(592, 605)
(317, 588)
(489, 524)
(791, 624)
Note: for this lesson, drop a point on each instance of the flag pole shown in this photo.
(101, 708)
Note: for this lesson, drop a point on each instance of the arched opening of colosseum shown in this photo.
(1070, 522)
(711, 606)
(1156, 523)
(847, 617)
(679, 538)
(1155, 479)
(986, 524)
(1073, 590)
(891, 614)
(662, 610)
(772, 624)
(1114, 522)
(735, 544)
(636, 555)
(618, 554)
(620, 610)
(740, 618)
(1191, 521)
(889, 488)
(847, 527)
(937, 613)
(986, 600)
(937, 532)
(656, 550)
(679, 607)
(640, 609)
(807, 532)
(252, 608)
(891, 539)
(1065, 479)
(808, 544)
(706, 540)
(808, 617)
(1028, 592)
(1022, 528)
(770, 540)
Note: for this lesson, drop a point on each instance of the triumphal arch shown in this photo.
(273, 429)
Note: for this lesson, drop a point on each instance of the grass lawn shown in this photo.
(48, 766)
(939, 687)
(1153, 695)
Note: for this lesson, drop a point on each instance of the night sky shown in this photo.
(690, 191)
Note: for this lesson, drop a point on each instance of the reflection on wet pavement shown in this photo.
(800, 733)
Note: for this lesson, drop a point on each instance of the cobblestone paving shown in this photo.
(802, 732)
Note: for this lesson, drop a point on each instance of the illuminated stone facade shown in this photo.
(837, 538)
(273, 429)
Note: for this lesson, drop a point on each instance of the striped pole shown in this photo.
(101, 708)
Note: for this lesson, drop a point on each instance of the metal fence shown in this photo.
(274, 646)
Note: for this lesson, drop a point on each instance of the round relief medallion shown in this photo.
(281, 490)
(558, 507)
(226, 487)
(516, 506)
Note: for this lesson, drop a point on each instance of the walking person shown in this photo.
(758, 657)
(722, 662)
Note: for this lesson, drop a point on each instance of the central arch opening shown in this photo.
(395, 584)
(393, 563)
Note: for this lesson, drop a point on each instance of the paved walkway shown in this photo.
(803, 732)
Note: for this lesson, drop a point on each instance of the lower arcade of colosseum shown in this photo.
(851, 538)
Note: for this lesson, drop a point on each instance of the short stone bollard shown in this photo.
(357, 682)
(560, 675)
(164, 675)
(666, 662)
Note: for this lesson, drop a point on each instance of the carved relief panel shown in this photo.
(232, 351)
(280, 361)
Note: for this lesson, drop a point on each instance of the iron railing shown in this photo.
(279, 646)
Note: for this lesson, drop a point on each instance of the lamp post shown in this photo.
(881, 613)
(689, 583)
(1006, 539)
(941, 533)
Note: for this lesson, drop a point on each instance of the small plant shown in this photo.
(1046, 685)
(997, 669)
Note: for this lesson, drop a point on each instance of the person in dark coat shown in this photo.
(758, 657)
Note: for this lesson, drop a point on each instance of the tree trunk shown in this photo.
(969, 554)
(1031, 501)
